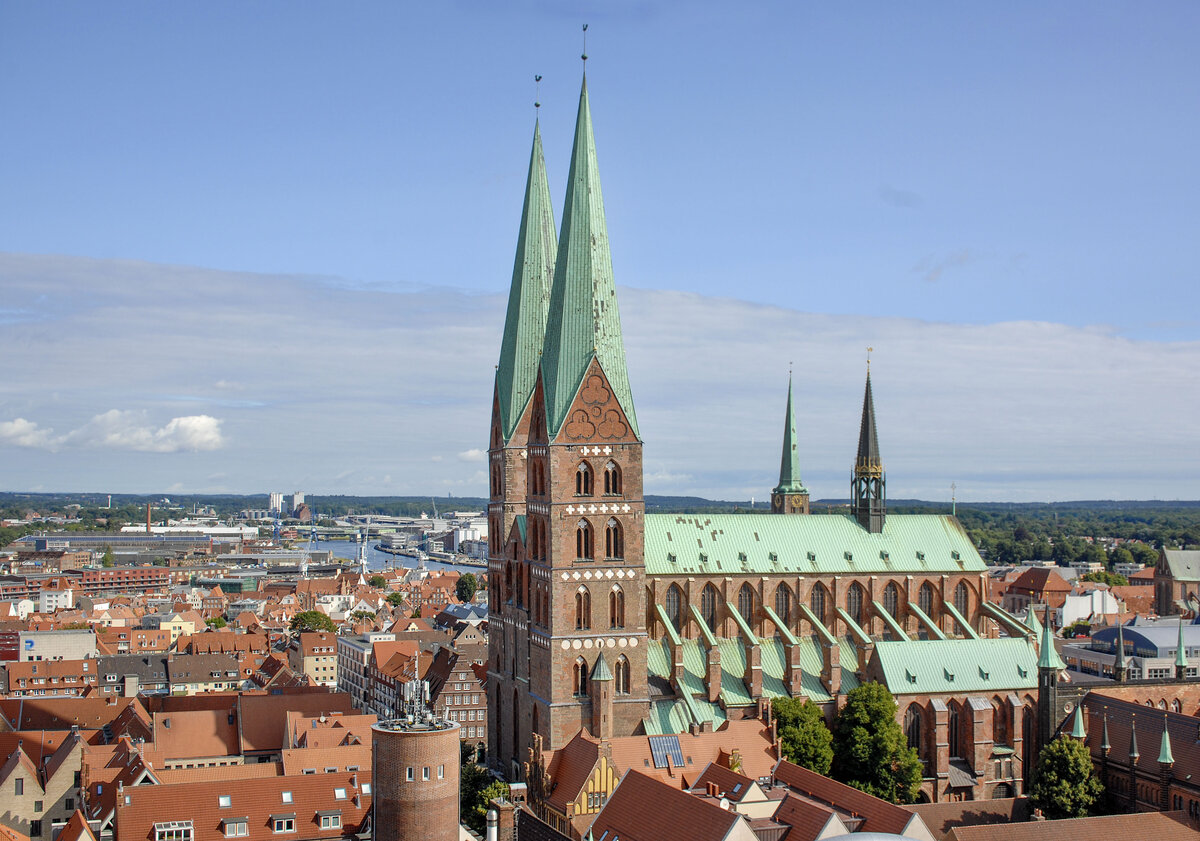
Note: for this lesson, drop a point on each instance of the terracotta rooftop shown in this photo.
(1146, 826)
(878, 815)
(645, 809)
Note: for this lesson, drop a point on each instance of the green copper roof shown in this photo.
(1048, 655)
(789, 462)
(1105, 744)
(1077, 730)
(956, 666)
(1119, 660)
(1165, 757)
(1180, 651)
(583, 322)
(1133, 746)
(831, 544)
(528, 297)
(1031, 622)
(600, 671)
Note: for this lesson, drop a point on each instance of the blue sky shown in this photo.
(1014, 178)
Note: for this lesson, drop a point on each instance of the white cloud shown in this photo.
(472, 455)
(117, 430)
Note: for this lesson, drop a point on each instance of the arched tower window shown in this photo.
(616, 607)
(783, 604)
(912, 729)
(674, 605)
(497, 488)
(621, 673)
(854, 602)
(583, 479)
(746, 602)
(614, 543)
(816, 601)
(583, 609)
(708, 606)
(579, 683)
(891, 598)
(516, 722)
(962, 598)
(584, 543)
(925, 599)
(612, 478)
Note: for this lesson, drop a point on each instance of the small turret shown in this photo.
(869, 485)
(1181, 662)
(1119, 668)
(1077, 728)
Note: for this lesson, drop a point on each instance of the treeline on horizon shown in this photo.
(1004, 532)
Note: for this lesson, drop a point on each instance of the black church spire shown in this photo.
(869, 483)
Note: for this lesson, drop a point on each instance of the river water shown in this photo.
(376, 560)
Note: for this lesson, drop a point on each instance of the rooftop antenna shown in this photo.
(953, 501)
(584, 56)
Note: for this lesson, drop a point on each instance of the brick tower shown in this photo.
(516, 376)
(575, 552)
(789, 496)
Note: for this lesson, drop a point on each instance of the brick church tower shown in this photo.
(569, 573)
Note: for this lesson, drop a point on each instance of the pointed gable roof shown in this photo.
(528, 297)
(789, 462)
(1047, 654)
(583, 322)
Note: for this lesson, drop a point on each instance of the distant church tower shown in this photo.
(869, 485)
(789, 496)
(571, 576)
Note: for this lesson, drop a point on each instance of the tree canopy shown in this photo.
(1065, 783)
(395, 599)
(869, 748)
(312, 620)
(377, 581)
(477, 788)
(466, 587)
(802, 733)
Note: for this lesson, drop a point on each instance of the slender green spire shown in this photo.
(584, 323)
(1032, 623)
(1180, 652)
(1048, 656)
(1119, 660)
(789, 462)
(1105, 744)
(1165, 757)
(529, 295)
(1077, 730)
(600, 671)
(1133, 747)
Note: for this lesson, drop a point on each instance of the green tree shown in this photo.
(1112, 579)
(466, 587)
(312, 620)
(107, 559)
(476, 788)
(1065, 783)
(869, 748)
(377, 581)
(218, 622)
(362, 615)
(395, 599)
(802, 733)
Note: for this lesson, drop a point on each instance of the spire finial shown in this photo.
(869, 351)
(584, 56)
(537, 96)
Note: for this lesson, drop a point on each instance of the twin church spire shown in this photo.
(562, 307)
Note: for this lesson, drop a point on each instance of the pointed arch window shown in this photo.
(783, 604)
(746, 602)
(854, 602)
(622, 675)
(579, 682)
(612, 478)
(583, 609)
(962, 598)
(708, 606)
(614, 543)
(584, 541)
(616, 607)
(583, 479)
(816, 602)
(953, 731)
(674, 605)
(497, 485)
(925, 599)
(516, 719)
(912, 729)
(999, 721)
(891, 599)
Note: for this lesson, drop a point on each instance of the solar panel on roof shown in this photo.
(663, 746)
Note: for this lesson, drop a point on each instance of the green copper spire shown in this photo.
(1165, 757)
(600, 671)
(1180, 652)
(1133, 748)
(1077, 731)
(529, 295)
(1048, 657)
(1105, 744)
(789, 463)
(1119, 660)
(1032, 623)
(868, 485)
(584, 323)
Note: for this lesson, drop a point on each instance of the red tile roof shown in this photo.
(644, 809)
(1146, 826)
(879, 815)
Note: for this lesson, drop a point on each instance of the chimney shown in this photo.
(493, 825)
(149, 507)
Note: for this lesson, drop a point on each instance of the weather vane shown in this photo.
(869, 359)
(537, 97)
(584, 56)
